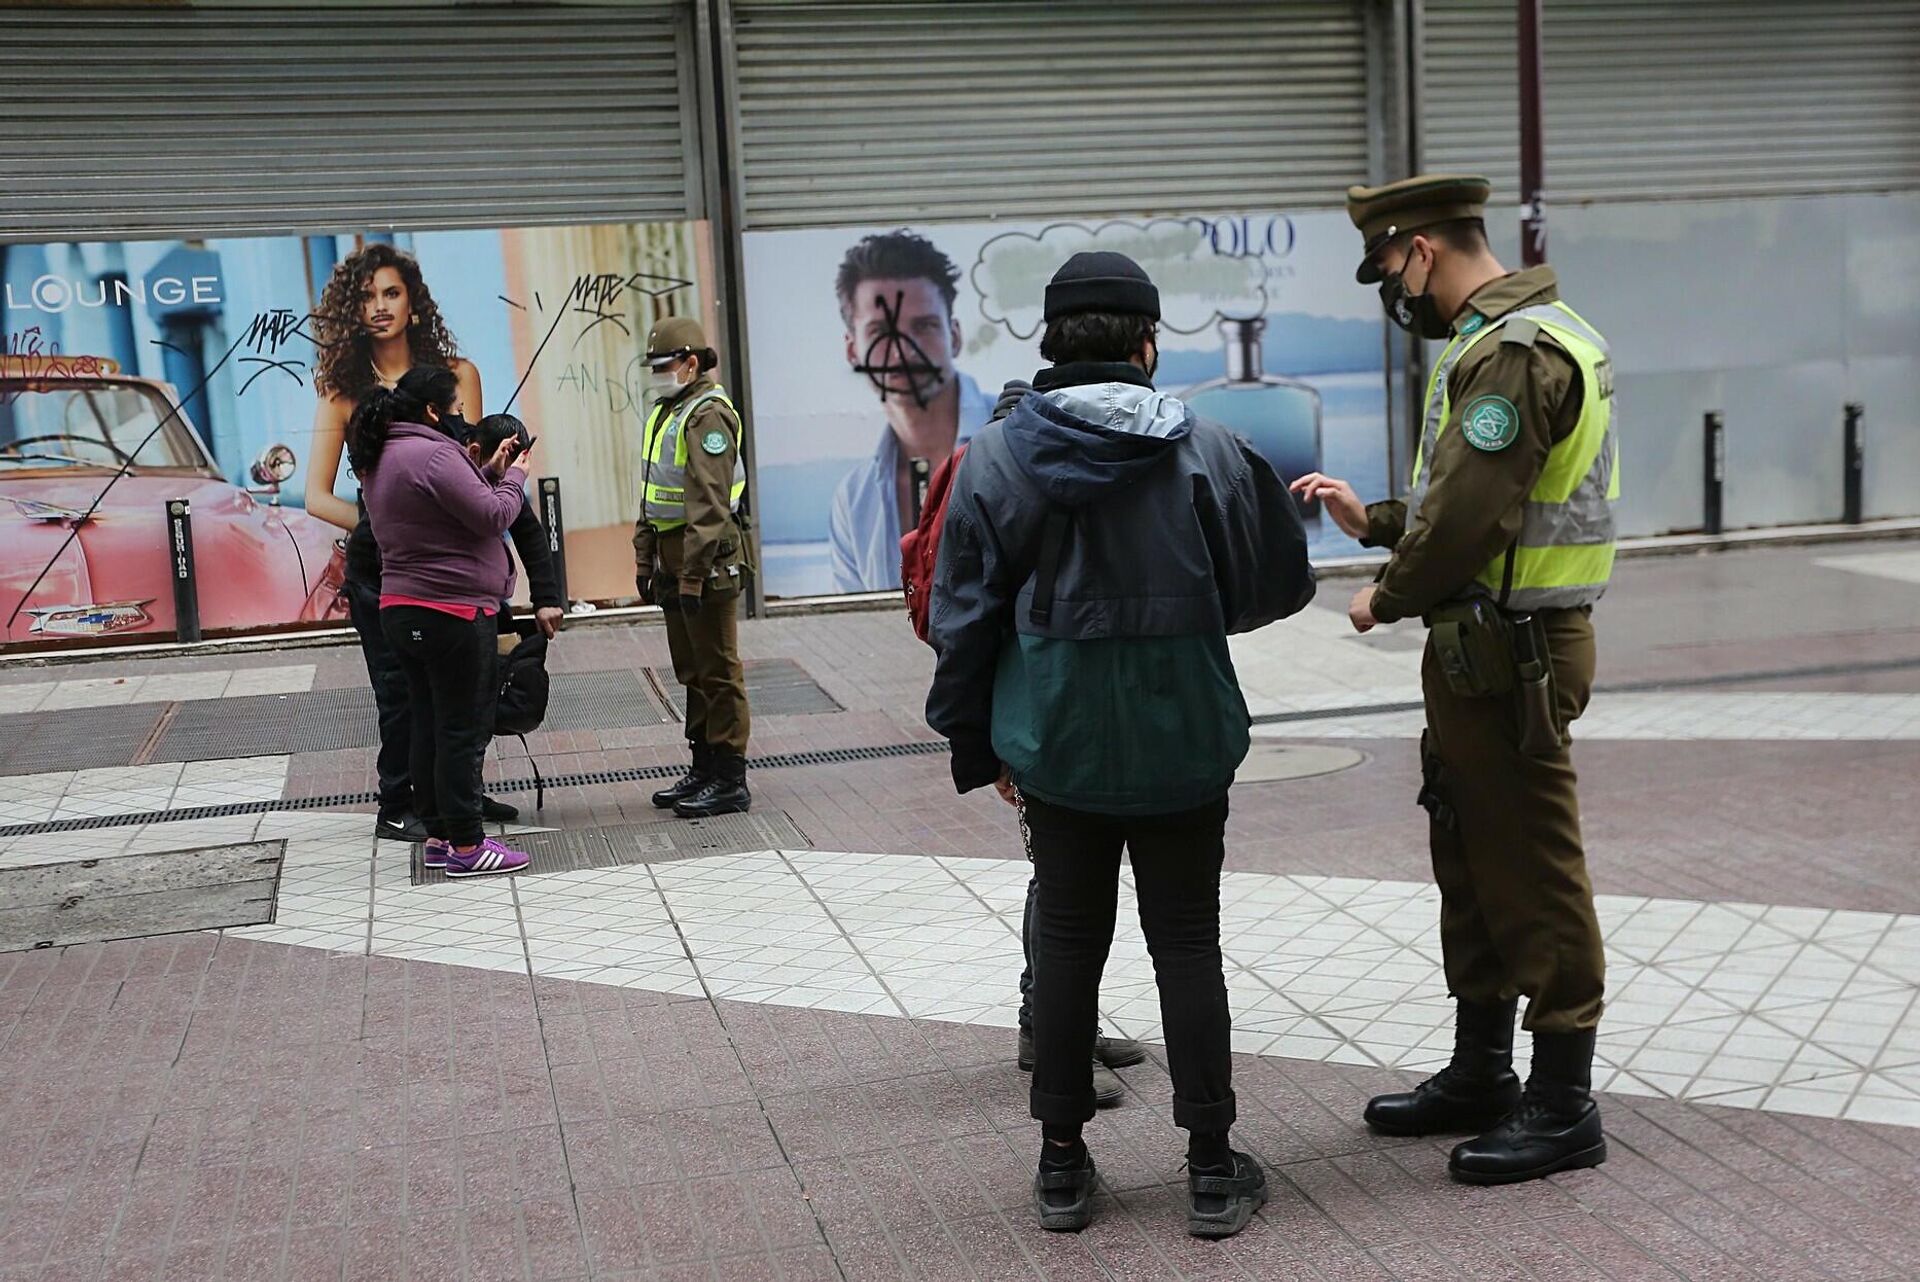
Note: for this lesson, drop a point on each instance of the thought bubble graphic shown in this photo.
(1198, 284)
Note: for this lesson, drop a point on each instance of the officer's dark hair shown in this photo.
(707, 358)
(1095, 336)
(379, 408)
(1464, 235)
(894, 255)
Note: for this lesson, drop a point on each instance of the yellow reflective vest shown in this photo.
(1564, 556)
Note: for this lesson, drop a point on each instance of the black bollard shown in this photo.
(922, 473)
(186, 590)
(1855, 476)
(1714, 472)
(555, 523)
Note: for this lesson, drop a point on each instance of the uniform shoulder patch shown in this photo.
(1472, 324)
(714, 442)
(1491, 423)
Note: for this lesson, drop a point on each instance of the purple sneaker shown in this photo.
(434, 853)
(486, 859)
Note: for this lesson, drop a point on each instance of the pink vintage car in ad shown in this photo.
(84, 555)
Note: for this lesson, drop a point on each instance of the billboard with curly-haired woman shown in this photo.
(222, 372)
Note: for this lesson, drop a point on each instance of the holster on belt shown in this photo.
(1539, 721)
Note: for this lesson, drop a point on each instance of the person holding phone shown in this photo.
(377, 320)
(438, 516)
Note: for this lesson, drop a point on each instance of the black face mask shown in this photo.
(456, 426)
(1415, 313)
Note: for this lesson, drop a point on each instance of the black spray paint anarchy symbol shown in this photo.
(894, 355)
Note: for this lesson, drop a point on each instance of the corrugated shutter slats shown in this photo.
(151, 123)
(1662, 100)
(861, 112)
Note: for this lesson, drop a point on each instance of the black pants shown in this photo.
(1176, 867)
(389, 699)
(449, 665)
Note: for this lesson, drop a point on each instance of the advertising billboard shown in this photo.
(873, 346)
(221, 372)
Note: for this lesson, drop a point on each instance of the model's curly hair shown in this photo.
(345, 365)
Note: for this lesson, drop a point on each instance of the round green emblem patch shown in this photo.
(1491, 423)
(714, 442)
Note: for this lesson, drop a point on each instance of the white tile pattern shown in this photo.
(159, 687)
(1802, 1010)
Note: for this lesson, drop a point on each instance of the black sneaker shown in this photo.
(1221, 1203)
(498, 812)
(1063, 1197)
(400, 825)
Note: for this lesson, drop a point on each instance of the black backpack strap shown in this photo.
(539, 784)
(1053, 539)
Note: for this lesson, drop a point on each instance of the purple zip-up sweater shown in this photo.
(438, 520)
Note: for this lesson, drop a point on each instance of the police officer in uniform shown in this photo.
(688, 552)
(1504, 543)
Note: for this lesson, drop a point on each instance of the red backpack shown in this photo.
(920, 546)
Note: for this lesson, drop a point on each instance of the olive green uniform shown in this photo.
(1516, 915)
(703, 559)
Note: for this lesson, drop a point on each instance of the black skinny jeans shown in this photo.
(449, 665)
(1176, 867)
(389, 699)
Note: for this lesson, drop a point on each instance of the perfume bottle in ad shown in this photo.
(1281, 416)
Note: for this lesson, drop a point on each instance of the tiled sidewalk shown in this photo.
(798, 1064)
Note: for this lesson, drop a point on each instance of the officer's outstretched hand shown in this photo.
(689, 605)
(1342, 504)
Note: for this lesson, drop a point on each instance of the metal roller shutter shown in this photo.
(869, 112)
(1685, 98)
(134, 123)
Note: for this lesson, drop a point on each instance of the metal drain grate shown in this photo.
(133, 896)
(332, 801)
(574, 849)
(75, 738)
(270, 725)
(601, 701)
(775, 688)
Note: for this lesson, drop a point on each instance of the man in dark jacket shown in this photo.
(395, 820)
(1101, 542)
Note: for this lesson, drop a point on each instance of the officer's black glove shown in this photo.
(689, 605)
(1010, 396)
(646, 590)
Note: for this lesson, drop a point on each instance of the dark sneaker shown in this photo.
(498, 812)
(487, 859)
(399, 825)
(1220, 1203)
(1114, 1052)
(1063, 1198)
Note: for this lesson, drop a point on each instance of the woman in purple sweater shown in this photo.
(438, 516)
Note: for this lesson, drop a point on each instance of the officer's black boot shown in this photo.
(691, 782)
(724, 793)
(1470, 1094)
(1556, 1127)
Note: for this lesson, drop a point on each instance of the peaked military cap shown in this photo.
(675, 336)
(1426, 200)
